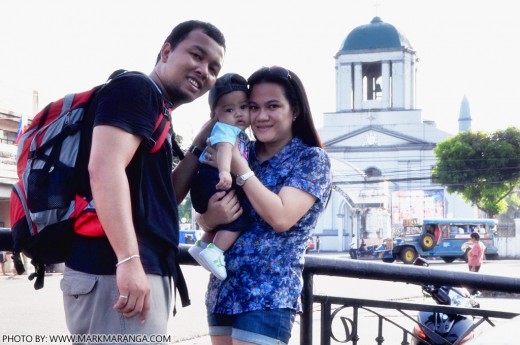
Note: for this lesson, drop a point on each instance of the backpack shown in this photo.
(45, 206)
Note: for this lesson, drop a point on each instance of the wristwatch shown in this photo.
(195, 150)
(243, 178)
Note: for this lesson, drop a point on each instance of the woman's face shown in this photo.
(271, 115)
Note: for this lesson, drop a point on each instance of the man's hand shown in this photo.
(134, 290)
(210, 156)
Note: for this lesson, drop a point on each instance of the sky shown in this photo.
(465, 48)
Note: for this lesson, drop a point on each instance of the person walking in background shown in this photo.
(353, 247)
(318, 244)
(3, 259)
(121, 281)
(228, 101)
(287, 183)
(476, 253)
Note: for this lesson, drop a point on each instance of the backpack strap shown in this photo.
(163, 128)
(39, 268)
(67, 102)
(182, 288)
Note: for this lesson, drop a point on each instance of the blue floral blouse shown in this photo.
(264, 268)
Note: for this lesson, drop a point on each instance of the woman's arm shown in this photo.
(281, 211)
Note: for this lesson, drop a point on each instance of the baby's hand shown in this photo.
(225, 180)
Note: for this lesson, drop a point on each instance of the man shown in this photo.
(121, 283)
(353, 247)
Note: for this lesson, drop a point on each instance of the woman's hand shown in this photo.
(222, 209)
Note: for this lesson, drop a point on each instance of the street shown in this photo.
(25, 311)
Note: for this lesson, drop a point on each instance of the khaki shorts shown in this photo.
(88, 300)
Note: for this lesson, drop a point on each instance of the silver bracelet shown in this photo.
(127, 259)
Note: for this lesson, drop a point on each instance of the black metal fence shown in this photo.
(331, 306)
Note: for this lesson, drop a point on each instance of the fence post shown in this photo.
(307, 303)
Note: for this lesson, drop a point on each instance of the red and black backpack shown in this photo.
(45, 205)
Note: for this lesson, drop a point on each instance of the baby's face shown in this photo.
(233, 109)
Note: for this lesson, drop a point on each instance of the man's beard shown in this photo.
(178, 96)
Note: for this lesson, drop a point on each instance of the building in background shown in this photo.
(9, 124)
(381, 147)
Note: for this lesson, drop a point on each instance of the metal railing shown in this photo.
(331, 306)
(387, 272)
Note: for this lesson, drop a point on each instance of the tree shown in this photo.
(178, 138)
(185, 209)
(482, 168)
(513, 208)
(185, 205)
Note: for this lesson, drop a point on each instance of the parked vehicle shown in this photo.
(448, 239)
(310, 245)
(365, 251)
(188, 236)
(440, 328)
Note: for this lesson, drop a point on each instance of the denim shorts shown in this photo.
(263, 327)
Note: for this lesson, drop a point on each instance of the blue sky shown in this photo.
(465, 48)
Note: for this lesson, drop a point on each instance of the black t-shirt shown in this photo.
(133, 103)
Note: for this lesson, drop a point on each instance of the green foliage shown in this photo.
(185, 209)
(482, 168)
(179, 140)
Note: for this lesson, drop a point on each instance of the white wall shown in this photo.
(509, 247)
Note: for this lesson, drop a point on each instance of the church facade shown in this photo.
(380, 147)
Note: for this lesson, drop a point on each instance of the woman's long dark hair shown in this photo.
(303, 127)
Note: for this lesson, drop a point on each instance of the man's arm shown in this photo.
(184, 172)
(112, 150)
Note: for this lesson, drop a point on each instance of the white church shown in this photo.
(380, 146)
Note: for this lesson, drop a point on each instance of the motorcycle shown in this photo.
(364, 250)
(440, 328)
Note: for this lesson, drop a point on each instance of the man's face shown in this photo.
(191, 69)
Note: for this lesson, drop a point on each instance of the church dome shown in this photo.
(376, 35)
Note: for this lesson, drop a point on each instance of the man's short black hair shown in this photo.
(182, 30)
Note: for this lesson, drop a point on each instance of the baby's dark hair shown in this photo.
(182, 30)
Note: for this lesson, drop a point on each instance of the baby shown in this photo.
(228, 100)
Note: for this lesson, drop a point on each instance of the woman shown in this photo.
(287, 183)
(476, 253)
